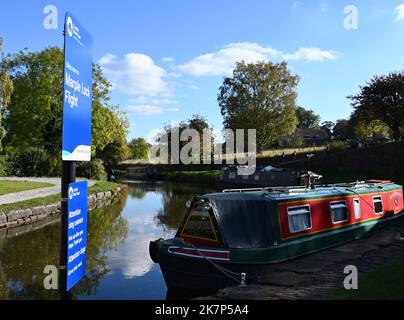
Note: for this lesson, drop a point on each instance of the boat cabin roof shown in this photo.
(301, 192)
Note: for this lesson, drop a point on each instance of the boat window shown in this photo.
(378, 204)
(357, 208)
(339, 211)
(232, 175)
(199, 223)
(299, 218)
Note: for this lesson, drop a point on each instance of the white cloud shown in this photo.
(140, 99)
(145, 110)
(400, 12)
(167, 59)
(173, 109)
(193, 87)
(149, 110)
(135, 74)
(223, 61)
(311, 54)
(107, 59)
(163, 101)
(137, 262)
(295, 5)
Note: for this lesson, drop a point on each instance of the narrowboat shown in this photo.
(235, 236)
(266, 176)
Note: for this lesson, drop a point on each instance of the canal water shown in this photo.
(118, 262)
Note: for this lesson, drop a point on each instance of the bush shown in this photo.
(2, 167)
(55, 166)
(30, 162)
(92, 170)
(339, 145)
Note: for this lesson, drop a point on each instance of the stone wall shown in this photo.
(31, 215)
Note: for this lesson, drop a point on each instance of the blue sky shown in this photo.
(166, 59)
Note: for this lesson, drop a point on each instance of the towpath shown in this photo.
(315, 276)
(35, 193)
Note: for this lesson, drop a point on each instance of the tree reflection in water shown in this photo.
(23, 257)
(118, 238)
(175, 196)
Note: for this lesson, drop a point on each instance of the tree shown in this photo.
(343, 129)
(196, 122)
(139, 148)
(6, 90)
(307, 119)
(328, 126)
(114, 152)
(260, 96)
(34, 116)
(382, 99)
(372, 130)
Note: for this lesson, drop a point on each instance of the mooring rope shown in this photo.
(224, 270)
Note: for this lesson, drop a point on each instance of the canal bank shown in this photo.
(31, 210)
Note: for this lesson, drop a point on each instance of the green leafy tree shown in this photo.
(34, 116)
(382, 99)
(196, 122)
(372, 130)
(328, 126)
(260, 96)
(139, 148)
(115, 152)
(6, 90)
(308, 119)
(344, 129)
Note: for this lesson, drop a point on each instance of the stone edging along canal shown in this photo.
(17, 218)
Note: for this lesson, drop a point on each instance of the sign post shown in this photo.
(76, 146)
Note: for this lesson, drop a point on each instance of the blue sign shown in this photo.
(76, 145)
(77, 232)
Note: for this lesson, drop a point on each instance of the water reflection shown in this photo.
(118, 263)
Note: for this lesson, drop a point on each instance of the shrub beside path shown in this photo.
(35, 193)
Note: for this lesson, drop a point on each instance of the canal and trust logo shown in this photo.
(70, 26)
(395, 201)
(73, 192)
(73, 30)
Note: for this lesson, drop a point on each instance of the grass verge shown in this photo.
(385, 283)
(100, 186)
(9, 186)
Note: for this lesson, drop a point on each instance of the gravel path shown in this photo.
(35, 193)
